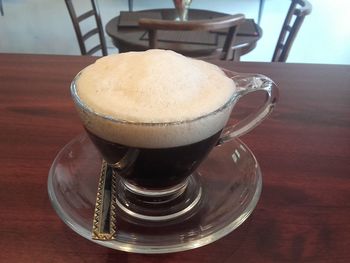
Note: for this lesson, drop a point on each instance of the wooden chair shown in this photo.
(227, 22)
(297, 11)
(98, 30)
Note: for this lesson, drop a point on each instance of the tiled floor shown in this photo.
(43, 26)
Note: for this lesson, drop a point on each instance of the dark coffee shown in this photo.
(155, 168)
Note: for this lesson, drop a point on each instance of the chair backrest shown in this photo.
(98, 30)
(297, 11)
(230, 22)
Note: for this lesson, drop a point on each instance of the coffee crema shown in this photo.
(153, 99)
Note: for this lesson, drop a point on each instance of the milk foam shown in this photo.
(154, 86)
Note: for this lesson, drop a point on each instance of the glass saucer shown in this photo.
(231, 182)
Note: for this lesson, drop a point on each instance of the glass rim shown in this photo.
(82, 105)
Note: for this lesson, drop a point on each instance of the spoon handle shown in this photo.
(104, 221)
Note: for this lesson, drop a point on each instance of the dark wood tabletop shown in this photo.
(131, 38)
(303, 150)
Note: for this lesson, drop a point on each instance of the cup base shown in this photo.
(165, 205)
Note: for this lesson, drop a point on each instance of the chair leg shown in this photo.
(236, 56)
(261, 7)
(131, 5)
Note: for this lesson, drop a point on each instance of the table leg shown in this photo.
(1, 8)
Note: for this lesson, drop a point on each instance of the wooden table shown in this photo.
(260, 11)
(303, 149)
(131, 38)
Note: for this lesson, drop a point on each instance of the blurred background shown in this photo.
(44, 27)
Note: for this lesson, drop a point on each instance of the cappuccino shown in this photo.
(153, 115)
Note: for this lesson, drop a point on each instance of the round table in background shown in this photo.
(131, 38)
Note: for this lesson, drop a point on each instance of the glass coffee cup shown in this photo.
(155, 162)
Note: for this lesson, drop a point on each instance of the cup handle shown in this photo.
(246, 84)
